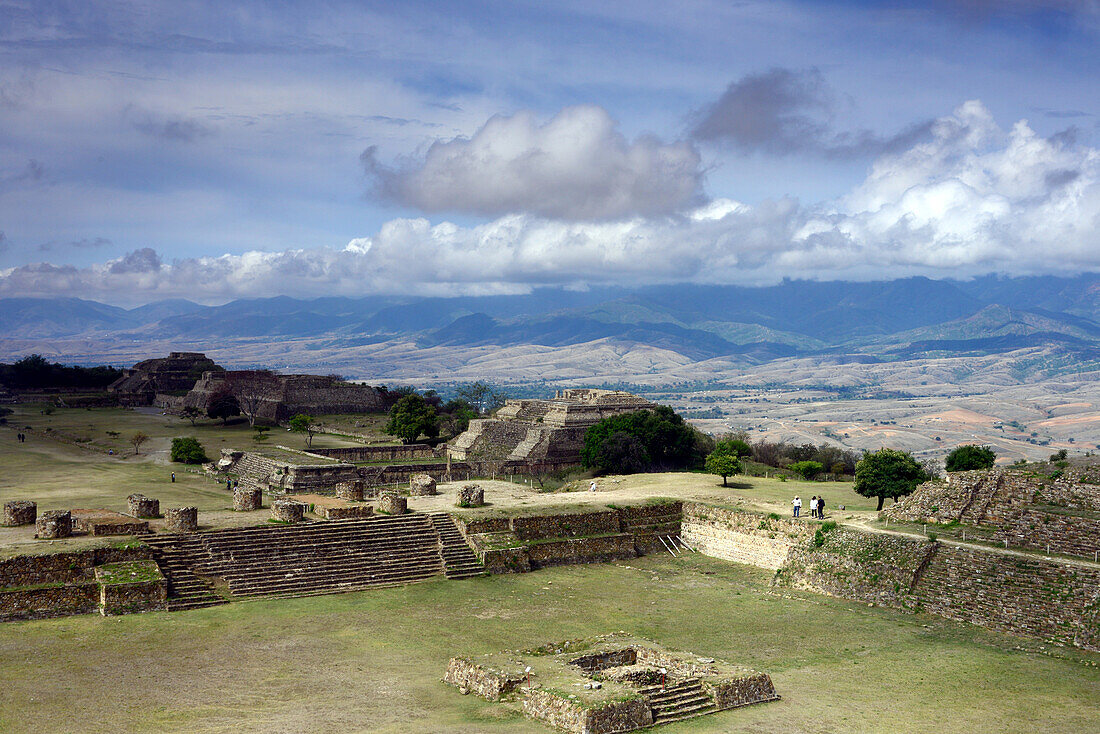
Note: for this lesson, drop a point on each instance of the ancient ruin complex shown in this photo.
(611, 683)
(277, 397)
(171, 375)
(543, 431)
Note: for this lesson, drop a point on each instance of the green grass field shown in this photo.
(373, 661)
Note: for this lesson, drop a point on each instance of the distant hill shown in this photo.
(852, 321)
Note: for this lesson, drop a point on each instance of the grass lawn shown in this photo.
(373, 661)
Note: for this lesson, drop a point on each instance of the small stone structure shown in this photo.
(421, 485)
(181, 520)
(19, 512)
(392, 504)
(54, 524)
(107, 522)
(612, 683)
(287, 511)
(129, 588)
(246, 499)
(142, 506)
(471, 495)
(350, 491)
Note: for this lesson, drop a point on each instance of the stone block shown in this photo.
(54, 524)
(19, 512)
(421, 485)
(142, 506)
(392, 504)
(471, 495)
(181, 520)
(350, 491)
(288, 510)
(247, 500)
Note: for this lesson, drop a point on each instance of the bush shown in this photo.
(643, 440)
(806, 469)
(188, 451)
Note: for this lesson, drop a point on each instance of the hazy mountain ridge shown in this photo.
(870, 321)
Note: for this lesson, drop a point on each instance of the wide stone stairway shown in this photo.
(176, 556)
(322, 557)
(682, 700)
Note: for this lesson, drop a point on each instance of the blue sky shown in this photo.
(214, 150)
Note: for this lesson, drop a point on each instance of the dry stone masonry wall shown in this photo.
(742, 537)
(19, 512)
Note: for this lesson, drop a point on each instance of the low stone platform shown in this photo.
(107, 522)
(611, 683)
(334, 508)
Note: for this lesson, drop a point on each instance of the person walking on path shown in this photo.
(797, 503)
(592, 488)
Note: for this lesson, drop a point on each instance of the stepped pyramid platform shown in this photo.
(611, 683)
(312, 558)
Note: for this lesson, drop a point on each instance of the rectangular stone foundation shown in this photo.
(106, 522)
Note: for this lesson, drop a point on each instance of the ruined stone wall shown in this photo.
(355, 454)
(742, 537)
(52, 568)
(487, 683)
(555, 710)
(866, 567)
(312, 479)
(43, 602)
(748, 689)
(600, 549)
(534, 527)
(1029, 596)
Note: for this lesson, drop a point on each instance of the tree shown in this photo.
(188, 451)
(723, 464)
(253, 389)
(191, 413)
(888, 473)
(302, 423)
(806, 469)
(623, 453)
(969, 457)
(668, 442)
(411, 416)
(137, 439)
(481, 396)
(223, 405)
(734, 447)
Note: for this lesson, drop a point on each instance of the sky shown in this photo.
(213, 150)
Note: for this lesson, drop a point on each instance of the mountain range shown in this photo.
(883, 320)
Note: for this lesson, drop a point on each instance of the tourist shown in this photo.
(821, 508)
(797, 503)
(592, 487)
(173, 477)
(813, 506)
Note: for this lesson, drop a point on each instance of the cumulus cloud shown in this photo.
(972, 199)
(783, 112)
(575, 166)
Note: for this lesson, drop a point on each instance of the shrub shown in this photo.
(188, 451)
(970, 457)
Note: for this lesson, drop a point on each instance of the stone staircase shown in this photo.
(176, 556)
(683, 700)
(459, 561)
(527, 446)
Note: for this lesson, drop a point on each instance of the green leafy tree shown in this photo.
(888, 473)
(970, 457)
(223, 406)
(623, 453)
(188, 451)
(668, 442)
(723, 464)
(807, 469)
(410, 417)
(734, 447)
(302, 423)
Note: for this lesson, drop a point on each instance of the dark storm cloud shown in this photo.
(783, 112)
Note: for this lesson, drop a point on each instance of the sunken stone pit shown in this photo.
(19, 512)
(611, 683)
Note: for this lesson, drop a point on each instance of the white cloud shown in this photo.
(975, 199)
(575, 166)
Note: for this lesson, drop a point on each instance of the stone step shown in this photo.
(675, 697)
(328, 586)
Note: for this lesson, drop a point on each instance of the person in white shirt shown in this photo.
(797, 505)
